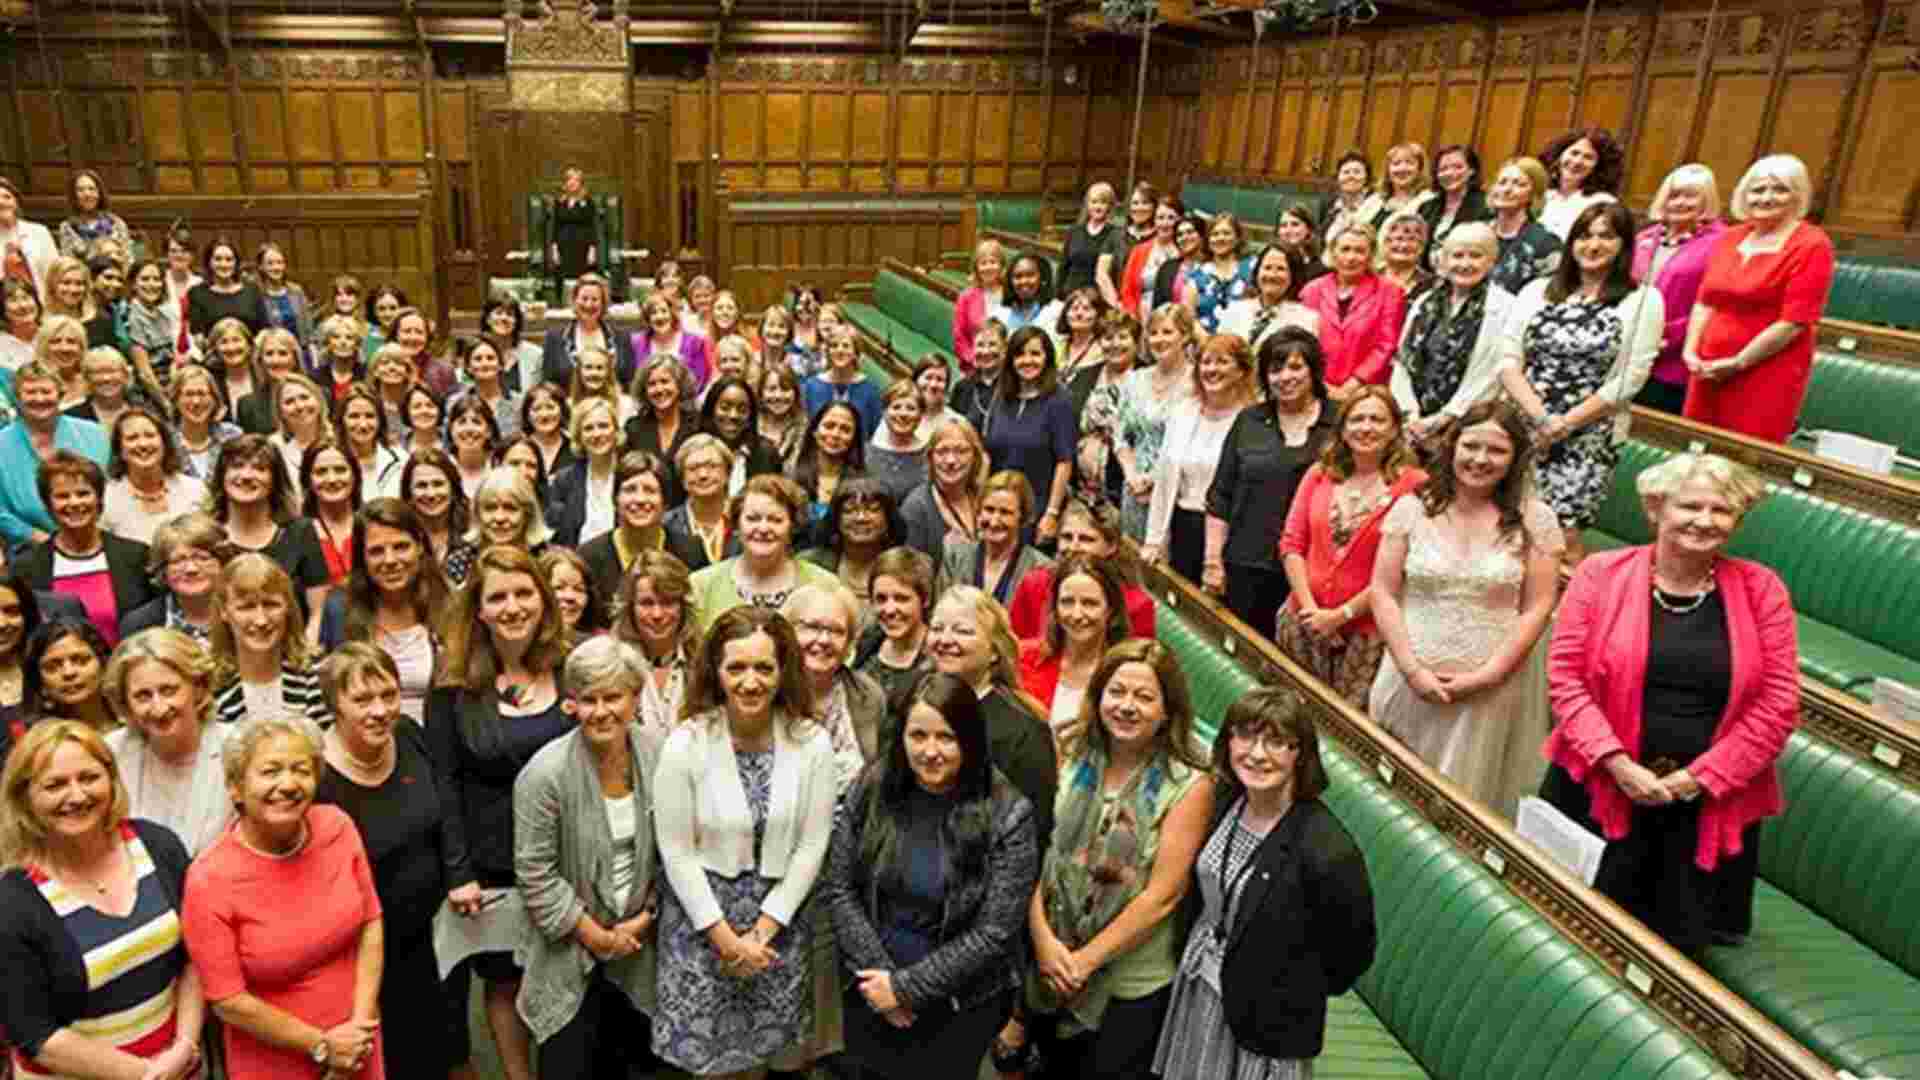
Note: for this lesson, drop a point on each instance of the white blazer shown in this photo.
(1643, 317)
(1482, 376)
(702, 822)
(37, 245)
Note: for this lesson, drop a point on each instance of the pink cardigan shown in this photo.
(969, 314)
(1597, 669)
(1337, 574)
(1361, 345)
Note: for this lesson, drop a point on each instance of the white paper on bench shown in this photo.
(1874, 457)
(1897, 702)
(1570, 844)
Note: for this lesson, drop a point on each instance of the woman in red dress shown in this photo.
(1749, 347)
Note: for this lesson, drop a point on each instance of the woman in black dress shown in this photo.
(572, 229)
(378, 772)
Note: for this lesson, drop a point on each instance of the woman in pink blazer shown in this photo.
(1360, 313)
(1675, 679)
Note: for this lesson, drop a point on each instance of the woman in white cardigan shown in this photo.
(1449, 355)
(743, 815)
(1579, 346)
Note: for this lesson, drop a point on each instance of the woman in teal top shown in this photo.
(39, 431)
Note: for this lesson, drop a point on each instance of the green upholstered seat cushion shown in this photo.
(1011, 215)
(1878, 290)
(907, 344)
(1450, 934)
(1844, 1001)
(1875, 399)
(1847, 662)
(1359, 1046)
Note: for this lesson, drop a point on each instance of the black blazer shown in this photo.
(145, 617)
(685, 546)
(557, 348)
(1163, 281)
(567, 504)
(1303, 932)
(255, 415)
(643, 433)
(126, 565)
(1473, 207)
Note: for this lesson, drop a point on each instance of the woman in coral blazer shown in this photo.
(1360, 313)
(1674, 676)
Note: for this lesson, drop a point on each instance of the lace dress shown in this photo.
(1458, 611)
(1570, 347)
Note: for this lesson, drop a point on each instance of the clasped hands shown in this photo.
(1645, 789)
(746, 955)
(877, 987)
(1064, 970)
(1444, 689)
(349, 1045)
(1711, 370)
(176, 1062)
(619, 940)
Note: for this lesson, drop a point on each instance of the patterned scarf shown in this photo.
(1438, 347)
(1102, 857)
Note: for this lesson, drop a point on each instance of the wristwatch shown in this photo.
(319, 1052)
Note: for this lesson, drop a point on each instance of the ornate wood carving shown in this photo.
(567, 58)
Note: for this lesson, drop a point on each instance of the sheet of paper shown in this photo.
(501, 926)
(1874, 457)
(1569, 842)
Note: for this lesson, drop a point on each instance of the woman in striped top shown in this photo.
(259, 650)
(100, 984)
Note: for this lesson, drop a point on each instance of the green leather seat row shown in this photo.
(915, 321)
(1467, 981)
(956, 278)
(1013, 215)
(1253, 206)
(1873, 289)
(1834, 958)
(1875, 399)
(1855, 577)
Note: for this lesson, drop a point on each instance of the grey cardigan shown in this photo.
(956, 567)
(563, 861)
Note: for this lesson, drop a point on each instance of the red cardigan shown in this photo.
(1337, 574)
(1028, 611)
(1039, 670)
(1597, 669)
(1360, 345)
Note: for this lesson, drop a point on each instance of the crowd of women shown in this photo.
(716, 708)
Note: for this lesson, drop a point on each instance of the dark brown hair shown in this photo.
(1283, 712)
(1510, 494)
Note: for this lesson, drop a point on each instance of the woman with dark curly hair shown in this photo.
(1460, 691)
(1584, 167)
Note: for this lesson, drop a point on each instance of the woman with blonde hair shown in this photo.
(505, 512)
(200, 415)
(1528, 249)
(1144, 402)
(1403, 187)
(947, 506)
(1750, 336)
(743, 814)
(496, 701)
(237, 374)
(1360, 311)
(61, 347)
(262, 664)
(1671, 252)
(28, 442)
(593, 377)
(1096, 247)
(986, 283)
(160, 681)
(70, 289)
(1223, 384)
(87, 971)
(300, 423)
(581, 497)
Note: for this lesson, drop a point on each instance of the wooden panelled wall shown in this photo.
(1825, 81)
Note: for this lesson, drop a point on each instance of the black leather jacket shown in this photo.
(983, 920)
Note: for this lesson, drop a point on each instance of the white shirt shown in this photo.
(622, 819)
(1562, 210)
(1188, 459)
(412, 653)
(122, 515)
(599, 509)
(1066, 705)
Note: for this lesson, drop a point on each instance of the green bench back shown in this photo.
(1848, 847)
(1253, 206)
(1844, 567)
(1871, 398)
(1472, 981)
(1875, 289)
(922, 310)
(1013, 215)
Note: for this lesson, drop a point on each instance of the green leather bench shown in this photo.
(1875, 289)
(956, 278)
(1013, 215)
(916, 322)
(1854, 577)
(1834, 958)
(1253, 206)
(1467, 980)
(1875, 399)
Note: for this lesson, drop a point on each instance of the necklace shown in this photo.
(1678, 607)
(298, 844)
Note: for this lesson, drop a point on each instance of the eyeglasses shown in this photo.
(184, 560)
(816, 628)
(1270, 741)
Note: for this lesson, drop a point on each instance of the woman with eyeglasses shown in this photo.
(184, 558)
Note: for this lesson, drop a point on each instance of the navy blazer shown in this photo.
(557, 348)
(687, 547)
(567, 503)
(126, 566)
